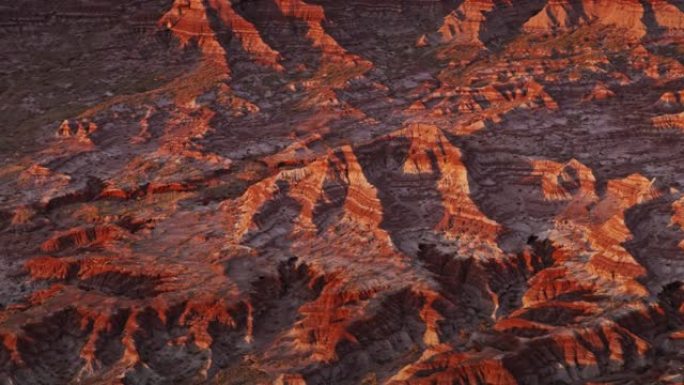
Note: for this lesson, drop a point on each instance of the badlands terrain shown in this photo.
(324, 192)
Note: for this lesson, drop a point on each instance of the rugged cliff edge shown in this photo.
(303, 192)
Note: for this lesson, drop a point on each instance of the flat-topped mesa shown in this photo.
(631, 16)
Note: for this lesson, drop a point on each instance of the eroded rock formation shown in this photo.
(342, 192)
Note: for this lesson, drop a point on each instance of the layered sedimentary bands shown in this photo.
(305, 192)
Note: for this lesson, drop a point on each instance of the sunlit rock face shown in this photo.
(305, 192)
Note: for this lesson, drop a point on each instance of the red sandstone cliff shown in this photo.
(326, 192)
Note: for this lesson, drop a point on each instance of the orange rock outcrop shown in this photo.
(301, 192)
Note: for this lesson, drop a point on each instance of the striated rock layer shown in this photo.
(304, 192)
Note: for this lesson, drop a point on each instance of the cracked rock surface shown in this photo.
(314, 192)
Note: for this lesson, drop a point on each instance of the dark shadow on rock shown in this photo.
(166, 362)
(285, 34)
(275, 220)
(48, 349)
(499, 180)
(411, 202)
(677, 3)
(366, 30)
(655, 241)
(671, 298)
(386, 340)
(275, 298)
(122, 284)
(502, 152)
(505, 22)
(653, 30)
(329, 207)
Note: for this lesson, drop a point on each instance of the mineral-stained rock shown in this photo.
(599, 92)
(633, 17)
(673, 99)
(306, 192)
(669, 121)
(190, 20)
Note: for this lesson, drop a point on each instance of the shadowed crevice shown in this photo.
(411, 202)
(505, 21)
(655, 243)
(653, 30)
(287, 35)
